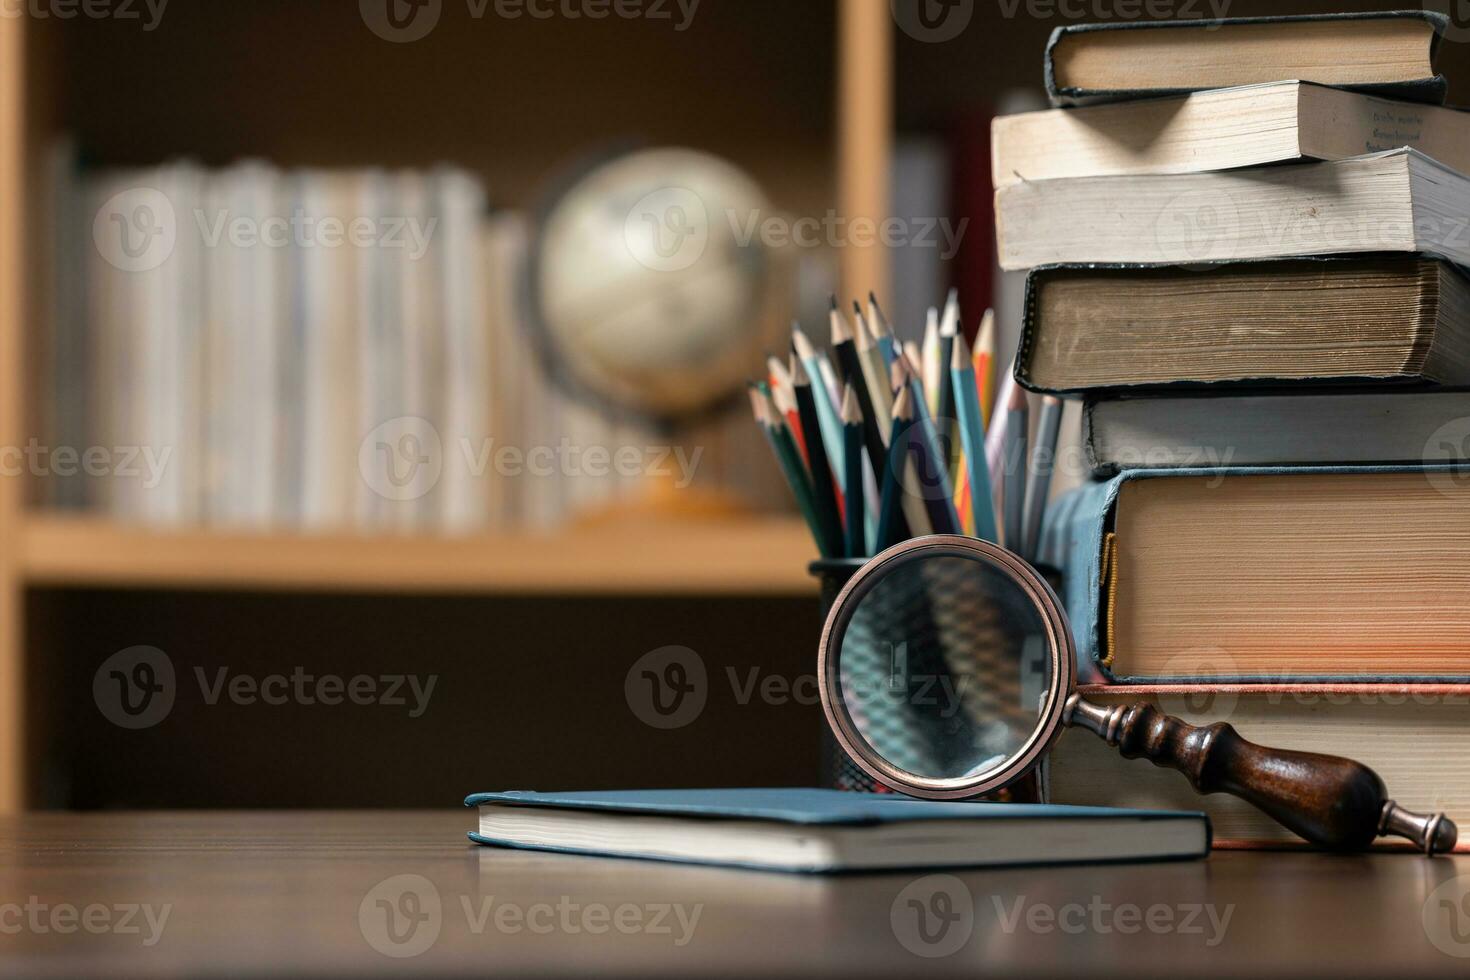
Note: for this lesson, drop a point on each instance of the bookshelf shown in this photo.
(279, 94)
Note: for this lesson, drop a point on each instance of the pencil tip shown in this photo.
(959, 359)
(985, 339)
(852, 414)
(799, 377)
(834, 302)
(903, 405)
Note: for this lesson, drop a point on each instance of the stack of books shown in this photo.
(1247, 243)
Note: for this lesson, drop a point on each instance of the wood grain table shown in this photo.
(334, 893)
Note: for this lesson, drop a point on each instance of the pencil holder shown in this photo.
(838, 771)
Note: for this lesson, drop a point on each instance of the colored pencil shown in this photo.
(903, 459)
(824, 496)
(928, 363)
(972, 436)
(882, 332)
(1043, 464)
(831, 425)
(785, 398)
(1013, 497)
(852, 373)
(890, 506)
(984, 362)
(944, 413)
(875, 368)
(852, 463)
(779, 438)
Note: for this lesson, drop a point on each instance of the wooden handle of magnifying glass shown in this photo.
(1333, 802)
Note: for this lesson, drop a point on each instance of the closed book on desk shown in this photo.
(1384, 51)
(1396, 201)
(1259, 575)
(1385, 319)
(819, 830)
(1244, 126)
(1417, 737)
(1269, 429)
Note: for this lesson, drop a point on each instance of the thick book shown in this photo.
(1417, 737)
(1391, 427)
(1259, 575)
(1397, 201)
(1382, 51)
(1221, 129)
(1379, 319)
(819, 830)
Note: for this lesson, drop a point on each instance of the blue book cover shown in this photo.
(1074, 541)
(828, 830)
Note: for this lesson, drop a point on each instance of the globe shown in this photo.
(650, 281)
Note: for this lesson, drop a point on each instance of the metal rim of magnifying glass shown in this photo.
(1059, 644)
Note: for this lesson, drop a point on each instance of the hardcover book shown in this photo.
(1221, 129)
(1302, 428)
(1259, 575)
(819, 830)
(1379, 319)
(1397, 201)
(1417, 737)
(1382, 51)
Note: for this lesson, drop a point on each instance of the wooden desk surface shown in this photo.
(307, 893)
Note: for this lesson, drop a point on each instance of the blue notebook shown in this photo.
(820, 830)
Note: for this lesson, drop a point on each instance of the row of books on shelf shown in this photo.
(1255, 279)
(253, 347)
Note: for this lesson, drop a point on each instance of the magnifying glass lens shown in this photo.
(944, 667)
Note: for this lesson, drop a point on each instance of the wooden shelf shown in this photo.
(748, 557)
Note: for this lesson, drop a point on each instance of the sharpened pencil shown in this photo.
(984, 362)
(831, 425)
(852, 462)
(1043, 463)
(784, 449)
(928, 363)
(906, 437)
(882, 332)
(851, 367)
(1013, 497)
(944, 413)
(875, 368)
(972, 437)
(824, 496)
(785, 398)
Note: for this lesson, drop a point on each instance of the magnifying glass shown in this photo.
(947, 669)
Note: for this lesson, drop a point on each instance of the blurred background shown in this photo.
(371, 373)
